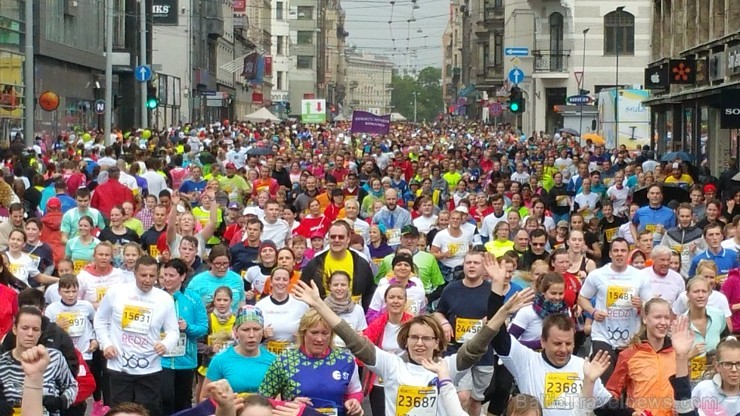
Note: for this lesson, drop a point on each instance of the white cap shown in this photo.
(463, 209)
(675, 166)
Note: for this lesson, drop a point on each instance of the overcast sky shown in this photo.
(417, 44)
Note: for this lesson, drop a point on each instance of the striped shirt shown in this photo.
(58, 380)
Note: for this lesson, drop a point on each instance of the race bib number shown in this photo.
(277, 347)
(100, 292)
(179, 349)
(394, 236)
(465, 329)
(329, 411)
(650, 227)
(697, 366)
(619, 297)
(558, 386)
(136, 319)
(457, 249)
(416, 401)
(74, 322)
(561, 200)
(610, 233)
(36, 260)
(357, 299)
(154, 251)
(17, 411)
(79, 265)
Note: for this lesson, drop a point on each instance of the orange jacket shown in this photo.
(643, 373)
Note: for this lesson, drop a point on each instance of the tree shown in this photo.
(428, 89)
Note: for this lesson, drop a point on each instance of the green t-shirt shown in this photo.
(427, 269)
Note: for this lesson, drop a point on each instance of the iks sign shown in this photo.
(164, 12)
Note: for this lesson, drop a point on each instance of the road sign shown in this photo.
(516, 51)
(515, 61)
(313, 111)
(580, 100)
(496, 109)
(100, 106)
(143, 73)
(516, 76)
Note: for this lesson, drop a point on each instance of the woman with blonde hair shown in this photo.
(708, 270)
(707, 324)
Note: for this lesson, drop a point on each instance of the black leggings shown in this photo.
(377, 401)
(102, 383)
(177, 390)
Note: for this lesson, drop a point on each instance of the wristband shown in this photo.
(443, 382)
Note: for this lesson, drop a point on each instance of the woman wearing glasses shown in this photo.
(206, 283)
(409, 388)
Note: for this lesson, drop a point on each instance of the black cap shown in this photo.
(410, 229)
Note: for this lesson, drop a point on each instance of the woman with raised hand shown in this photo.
(409, 388)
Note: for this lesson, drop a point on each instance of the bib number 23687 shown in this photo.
(416, 401)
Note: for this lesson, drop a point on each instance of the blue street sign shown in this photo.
(143, 73)
(516, 76)
(516, 51)
(100, 106)
(580, 99)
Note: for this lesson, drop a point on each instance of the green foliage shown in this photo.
(427, 85)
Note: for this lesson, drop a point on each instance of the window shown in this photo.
(305, 12)
(280, 40)
(279, 15)
(556, 41)
(498, 49)
(279, 80)
(304, 62)
(305, 37)
(619, 33)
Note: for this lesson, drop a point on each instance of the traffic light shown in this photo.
(516, 100)
(152, 101)
(117, 101)
(287, 107)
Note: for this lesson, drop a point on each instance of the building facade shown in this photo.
(487, 55)
(567, 47)
(281, 62)
(452, 47)
(700, 115)
(368, 77)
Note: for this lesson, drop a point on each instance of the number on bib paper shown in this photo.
(16, 411)
(619, 297)
(79, 265)
(465, 329)
(394, 236)
(179, 349)
(136, 319)
(650, 227)
(329, 411)
(610, 233)
(74, 322)
(153, 251)
(558, 385)
(100, 292)
(277, 347)
(698, 365)
(416, 401)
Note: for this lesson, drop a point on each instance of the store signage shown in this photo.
(733, 60)
(682, 71)
(656, 78)
(730, 109)
(164, 12)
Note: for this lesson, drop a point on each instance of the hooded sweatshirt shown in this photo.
(51, 233)
(680, 239)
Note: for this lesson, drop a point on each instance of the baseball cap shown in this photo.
(230, 165)
(234, 205)
(53, 203)
(317, 234)
(463, 209)
(562, 224)
(410, 229)
(710, 188)
(675, 166)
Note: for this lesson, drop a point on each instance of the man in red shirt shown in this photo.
(265, 182)
(339, 172)
(111, 193)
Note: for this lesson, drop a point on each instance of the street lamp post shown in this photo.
(415, 94)
(616, 81)
(582, 85)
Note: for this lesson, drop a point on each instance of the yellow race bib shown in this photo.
(416, 401)
(357, 299)
(619, 297)
(394, 236)
(465, 328)
(79, 265)
(697, 366)
(610, 233)
(100, 292)
(277, 347)
(154, 251)
(650, 227)
(74, 322)
(136, 319)
(558, 385)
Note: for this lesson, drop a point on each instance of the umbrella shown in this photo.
(570, 131)
(671, 156)
(595, 139)
(670, 193)
(259, 151)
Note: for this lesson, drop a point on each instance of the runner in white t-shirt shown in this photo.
(619, 290)
(666, 283)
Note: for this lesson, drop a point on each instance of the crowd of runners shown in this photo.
(442, 269)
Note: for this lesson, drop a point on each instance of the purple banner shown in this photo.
(364, 122)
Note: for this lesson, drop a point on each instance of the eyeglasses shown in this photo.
(414, 339)
(337, 237)
(729, 365)
(537, 244)
(221, 265)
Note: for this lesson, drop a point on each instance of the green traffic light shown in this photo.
(152, 103)
(514, 107)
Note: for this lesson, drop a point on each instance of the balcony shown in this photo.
(493, 13)
(551, 61)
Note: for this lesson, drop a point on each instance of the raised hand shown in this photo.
(220, 392)
(308, 295)
(519, 300)
(35, 360)
(439, 367)
(495, 272)
(681, 337)
(594, 367)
